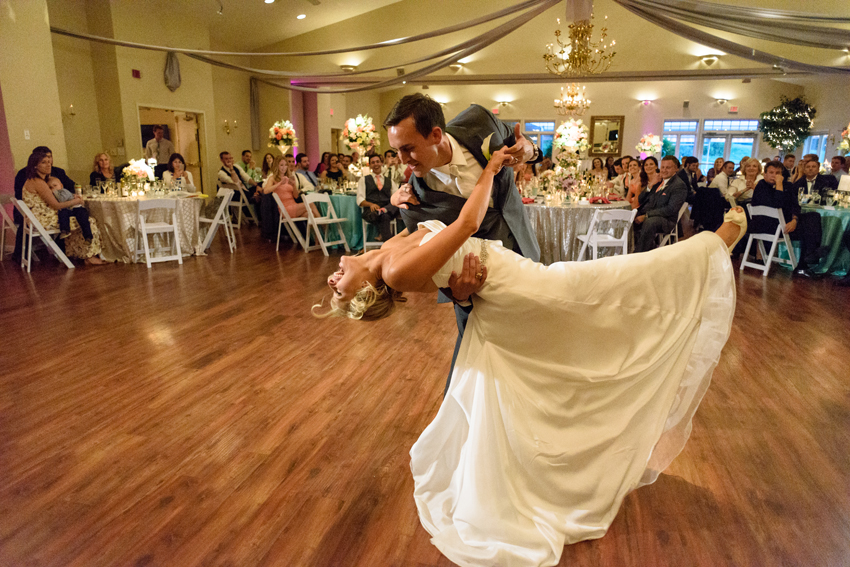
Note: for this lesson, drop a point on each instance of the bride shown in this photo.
(574, 385)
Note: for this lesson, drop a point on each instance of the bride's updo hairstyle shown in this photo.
(370, 303)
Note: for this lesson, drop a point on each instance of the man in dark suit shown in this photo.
(20, 179)
(813, 183)
(659, 207)
(447, 161)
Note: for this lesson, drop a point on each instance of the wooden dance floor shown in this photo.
(199, 415)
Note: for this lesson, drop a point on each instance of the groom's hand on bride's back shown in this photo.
(404, 197)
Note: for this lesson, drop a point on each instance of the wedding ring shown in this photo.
(479, 275)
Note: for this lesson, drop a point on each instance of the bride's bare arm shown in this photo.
(412, 270)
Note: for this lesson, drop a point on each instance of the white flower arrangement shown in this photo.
(137, 170)
(360, 135)
(649, 144)
(844, 146)
(571, 136)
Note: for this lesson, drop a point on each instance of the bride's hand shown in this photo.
(471, 279)
(499, 159)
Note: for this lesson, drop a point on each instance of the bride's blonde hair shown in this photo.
(370, 303)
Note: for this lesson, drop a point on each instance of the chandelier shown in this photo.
(573, 102)
(580, 55)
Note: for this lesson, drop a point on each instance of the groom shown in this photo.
(447, 161)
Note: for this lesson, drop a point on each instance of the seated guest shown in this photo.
(324, 163)
(248, 166)
(740, 191)
(712, 173)
(77, 212)
(345, 164)
(20, 180)
(609, 166)
(636, 181)
(177, 173)
(597, 168)
(38, 196)
(235, 177)
(838, 165)
(797, 173)
(722, 180)
(282, 182)
(544, 165)
(650, 167)
(773, 191)
(159, 147)
(710, 202)
(788, 166)
(334, 173)
(266, 169)
(305, 179)
(373, 195)
(812, 183)
(626, 160)
(744, 160)
(690, 173)
(616, 183)
(393, 166)
(103, 170)
(659, 211)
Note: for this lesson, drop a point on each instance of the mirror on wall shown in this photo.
(606, 133)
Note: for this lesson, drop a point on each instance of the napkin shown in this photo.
(527, 200)
(596, 200)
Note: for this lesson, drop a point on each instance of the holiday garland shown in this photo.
(786, 126)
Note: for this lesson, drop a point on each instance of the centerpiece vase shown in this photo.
(283, 148)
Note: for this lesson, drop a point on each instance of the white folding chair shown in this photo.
(291, 228)
(774, 238)
(32, 226)
(673, 235)
(144, 228)
(328, 219)
(375, 243)
(596, 240)
(6, 223)
(221, 218)
(240, 204)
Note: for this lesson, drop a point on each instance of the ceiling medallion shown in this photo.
(572, 102)
(579, 56)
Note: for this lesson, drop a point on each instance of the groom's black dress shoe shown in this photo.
(806, 273)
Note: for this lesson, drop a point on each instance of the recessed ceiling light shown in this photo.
(300, 16)
(269, 1)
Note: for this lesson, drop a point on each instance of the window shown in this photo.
(816, 144)
(731, 125)
(679, 144)
(541, 133)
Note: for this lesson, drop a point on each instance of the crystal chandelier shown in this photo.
(573, 102)
(579, 56)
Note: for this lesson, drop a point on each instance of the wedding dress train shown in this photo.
(575, 384)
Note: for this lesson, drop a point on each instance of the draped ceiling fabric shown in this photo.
(676, 16)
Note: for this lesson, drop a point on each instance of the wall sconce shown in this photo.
(456, 67)
(709, 60)
(504, 102)
(348, 68)
(71, 111)
(646, 102)
(722, 101)
(226, 127)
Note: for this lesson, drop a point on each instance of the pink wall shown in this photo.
(7, 165)
(296, 113)
(311, 128)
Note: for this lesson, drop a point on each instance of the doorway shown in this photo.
(730, 147)
(183, 128)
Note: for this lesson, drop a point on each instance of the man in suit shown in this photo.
(447, 161)
(20, 179)
(231, 174)
(306, 178)
(838, 166)
(374, 190)
(659, 207)
(813, 183)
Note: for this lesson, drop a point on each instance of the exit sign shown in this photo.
(733, 110)
(495, 110)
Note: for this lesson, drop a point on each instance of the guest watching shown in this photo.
(36, 193)
(373, 195)
(617, 183)
(77, 212)
(282, 183)
(712, 173)
(393, 165)
(177, 173)
(650, 166)
(102, 170)
(636, 181)
(345, 164)
(305, 177)
(788, 166)
(597, 168)
(710, 202)
(741, 189)
(773, 191)
(324, 163)
(248, 166)
(233, 176)
(838, 165)
(159, 147)
(659, 212)
(813, 184)
(333, 174)
(268, 162)
(797, 174)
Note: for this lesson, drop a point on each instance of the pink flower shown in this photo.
(278, 136)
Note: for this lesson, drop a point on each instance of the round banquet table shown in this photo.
(834, 222)
(116, 217)
(557, 227)
(346, 207)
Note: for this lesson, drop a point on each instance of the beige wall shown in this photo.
(231, 92)
(536, 102)
(274, 106)
(28, 75)
(831, 97)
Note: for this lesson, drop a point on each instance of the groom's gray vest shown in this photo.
(505, 220)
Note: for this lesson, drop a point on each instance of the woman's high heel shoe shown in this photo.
(736, 216)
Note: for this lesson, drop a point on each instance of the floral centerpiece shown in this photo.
(282, 136)
(137, 170)
(360, 135)
(844, 146)
(571, 138)
(649, 144)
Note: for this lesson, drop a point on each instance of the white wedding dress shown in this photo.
(575, 384)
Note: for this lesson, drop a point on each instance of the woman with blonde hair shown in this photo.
(102, 170)
(282, 182)
(741, 189)
(574, 383)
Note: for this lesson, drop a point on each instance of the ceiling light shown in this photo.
(269, 1)
(404, 82)
(580, 55)
(348, 68)
(300, 16)
(722, 101)
(572, 102)
(709, 60)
